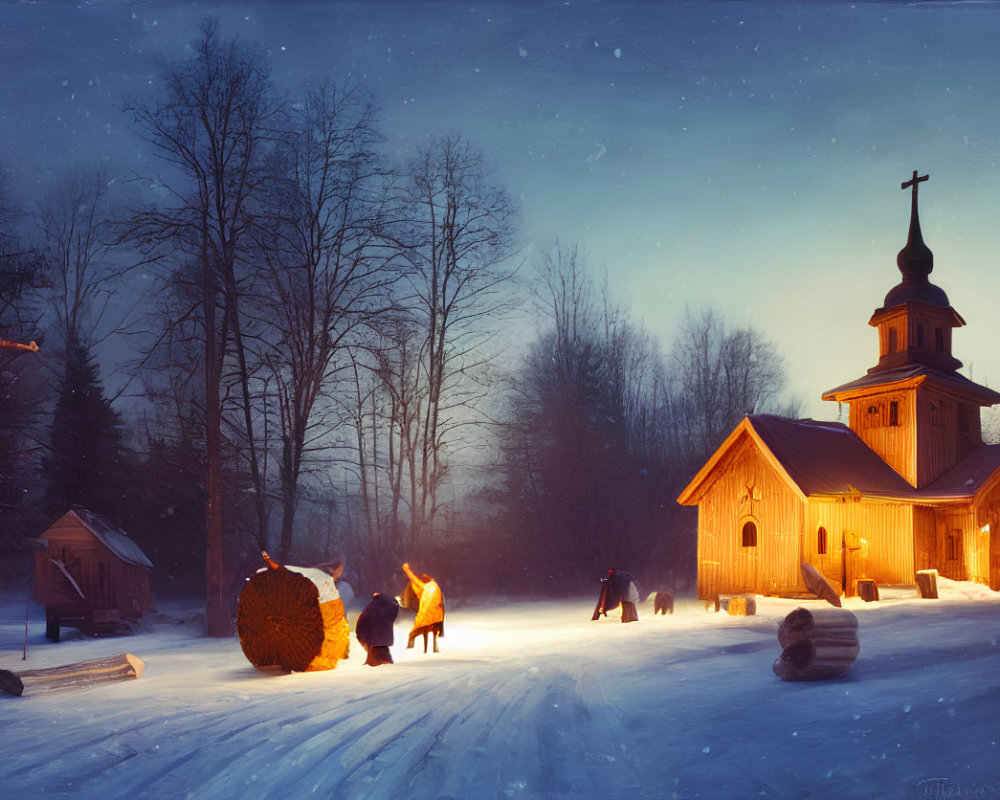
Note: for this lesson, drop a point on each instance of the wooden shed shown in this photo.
(91, 576)
(908, 485)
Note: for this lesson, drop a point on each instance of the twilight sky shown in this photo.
(747, 155)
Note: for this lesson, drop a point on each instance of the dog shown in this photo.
(663, 602)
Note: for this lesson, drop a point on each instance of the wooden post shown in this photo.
(72, 676)
(866, 589)
(927, 583)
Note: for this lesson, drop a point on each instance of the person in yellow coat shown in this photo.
(430, 611)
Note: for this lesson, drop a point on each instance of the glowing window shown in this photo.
(749, 534)
(821, 541)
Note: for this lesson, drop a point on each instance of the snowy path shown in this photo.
(532, 701)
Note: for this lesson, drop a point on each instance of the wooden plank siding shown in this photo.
(948, 429)
(745, 487)
(890, 435)
(866, 538)
(111, 587)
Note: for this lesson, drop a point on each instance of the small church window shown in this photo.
(893, 343)
(953, 545)
(939, 340)
(894, 412)
(920, 334)
(821, 541)
(963, 419)
(749, 534)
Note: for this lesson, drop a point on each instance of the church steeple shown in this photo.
(913, 408)
(915, 260)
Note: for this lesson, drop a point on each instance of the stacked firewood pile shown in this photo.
(817, 644)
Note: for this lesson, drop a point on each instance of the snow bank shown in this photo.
(527, 700)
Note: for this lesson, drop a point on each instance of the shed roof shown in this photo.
(114, 538)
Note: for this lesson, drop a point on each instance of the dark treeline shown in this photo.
(317, 331)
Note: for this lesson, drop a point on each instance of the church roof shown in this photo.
(954, 381)
(966, 478)
(818, 458)
(827, 458)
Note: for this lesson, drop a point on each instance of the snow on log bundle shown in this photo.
(80, 675)
(293, 618)
(816, 644)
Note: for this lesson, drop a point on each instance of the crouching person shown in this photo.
(618, 589)
(430, 611)
(374, 628)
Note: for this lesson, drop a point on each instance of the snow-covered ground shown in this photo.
(526, 700)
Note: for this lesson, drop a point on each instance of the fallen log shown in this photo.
(819, 586)
(816, 644)
(806, 660)
(80, 675)
(818, 624)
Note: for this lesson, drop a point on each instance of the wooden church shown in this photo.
(908, 485)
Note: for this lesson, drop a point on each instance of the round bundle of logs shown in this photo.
(817, 644)
(284, 621)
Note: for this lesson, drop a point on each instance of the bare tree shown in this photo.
(456, 235)
(326, 273)
(208, 128)
(75, 227)
(720, 375)
(584, 454)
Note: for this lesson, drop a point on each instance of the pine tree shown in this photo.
(84, 462)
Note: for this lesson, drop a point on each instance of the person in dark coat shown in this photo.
(374, 628)
(618, 588)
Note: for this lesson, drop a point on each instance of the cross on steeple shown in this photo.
(915, 260)
(914, 182)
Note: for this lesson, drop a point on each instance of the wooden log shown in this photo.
(741, 606)
(866, 589)
(818, 624)
(807, 660)
(818, 585)
(927, 583)
(72, 676)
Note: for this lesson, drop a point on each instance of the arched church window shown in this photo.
(893, 412)
(939, 340)
(920, 335)
(821, 541)
(749, 533)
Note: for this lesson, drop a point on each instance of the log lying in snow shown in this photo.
(818, 624)
(816, 644)
(72, 676)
